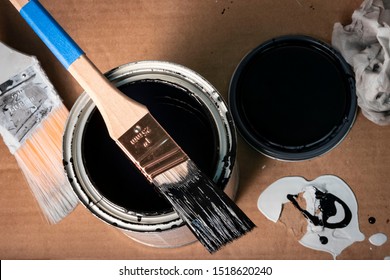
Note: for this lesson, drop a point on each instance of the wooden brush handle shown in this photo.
(119, 112)
(18, 4)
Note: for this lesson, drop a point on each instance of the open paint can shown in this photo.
(107, 182)
(293, 98)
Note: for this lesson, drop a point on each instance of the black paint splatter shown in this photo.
(5, 86)
(327, 207)
(324, 240)
(228, 8)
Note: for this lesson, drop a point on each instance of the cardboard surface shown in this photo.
(210, 37)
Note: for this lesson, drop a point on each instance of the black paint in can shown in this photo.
(109, 185)
(293, 98)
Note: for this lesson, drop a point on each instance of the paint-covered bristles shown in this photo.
(211, 215)
(40, 159)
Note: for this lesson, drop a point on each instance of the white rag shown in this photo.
(365, 45)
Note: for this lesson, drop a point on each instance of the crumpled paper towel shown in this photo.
(365, 45)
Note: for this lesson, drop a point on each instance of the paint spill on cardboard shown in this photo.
(378, 239)
(321, 213)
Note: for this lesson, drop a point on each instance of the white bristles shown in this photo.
(174, 175)
(40, 159)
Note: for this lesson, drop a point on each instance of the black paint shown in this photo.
(210, 214)
(372, 220)
(324, 240)
(4, 86)
(327, 207)
(314, 219)
(112, 173)
(293, 98)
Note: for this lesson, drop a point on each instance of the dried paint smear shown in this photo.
(26, 98)
(322, 212)
(378, 239)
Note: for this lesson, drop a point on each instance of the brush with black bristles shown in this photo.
(211, 215)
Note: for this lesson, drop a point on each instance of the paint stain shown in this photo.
(5, 86)
(378, 239)
(324, 240)
(225, 9)
(328, 205)
(372, 220)
(25, 99)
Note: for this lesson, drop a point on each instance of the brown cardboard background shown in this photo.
(210, 37)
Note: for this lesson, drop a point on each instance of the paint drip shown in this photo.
(327, 204)
(378, 239)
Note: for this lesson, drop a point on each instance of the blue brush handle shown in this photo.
(51, 33)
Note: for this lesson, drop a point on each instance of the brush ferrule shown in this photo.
(150, 147)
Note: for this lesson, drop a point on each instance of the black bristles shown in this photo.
(211, 215)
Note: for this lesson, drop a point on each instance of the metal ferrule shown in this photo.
(150, 148)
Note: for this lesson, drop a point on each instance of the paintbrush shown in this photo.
(32, 121)
(211, 215)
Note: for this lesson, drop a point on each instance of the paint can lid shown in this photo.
(293, 98)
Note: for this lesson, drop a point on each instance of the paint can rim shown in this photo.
(108, 211)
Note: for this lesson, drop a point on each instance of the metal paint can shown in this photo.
(108, 184)
(293, 98)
